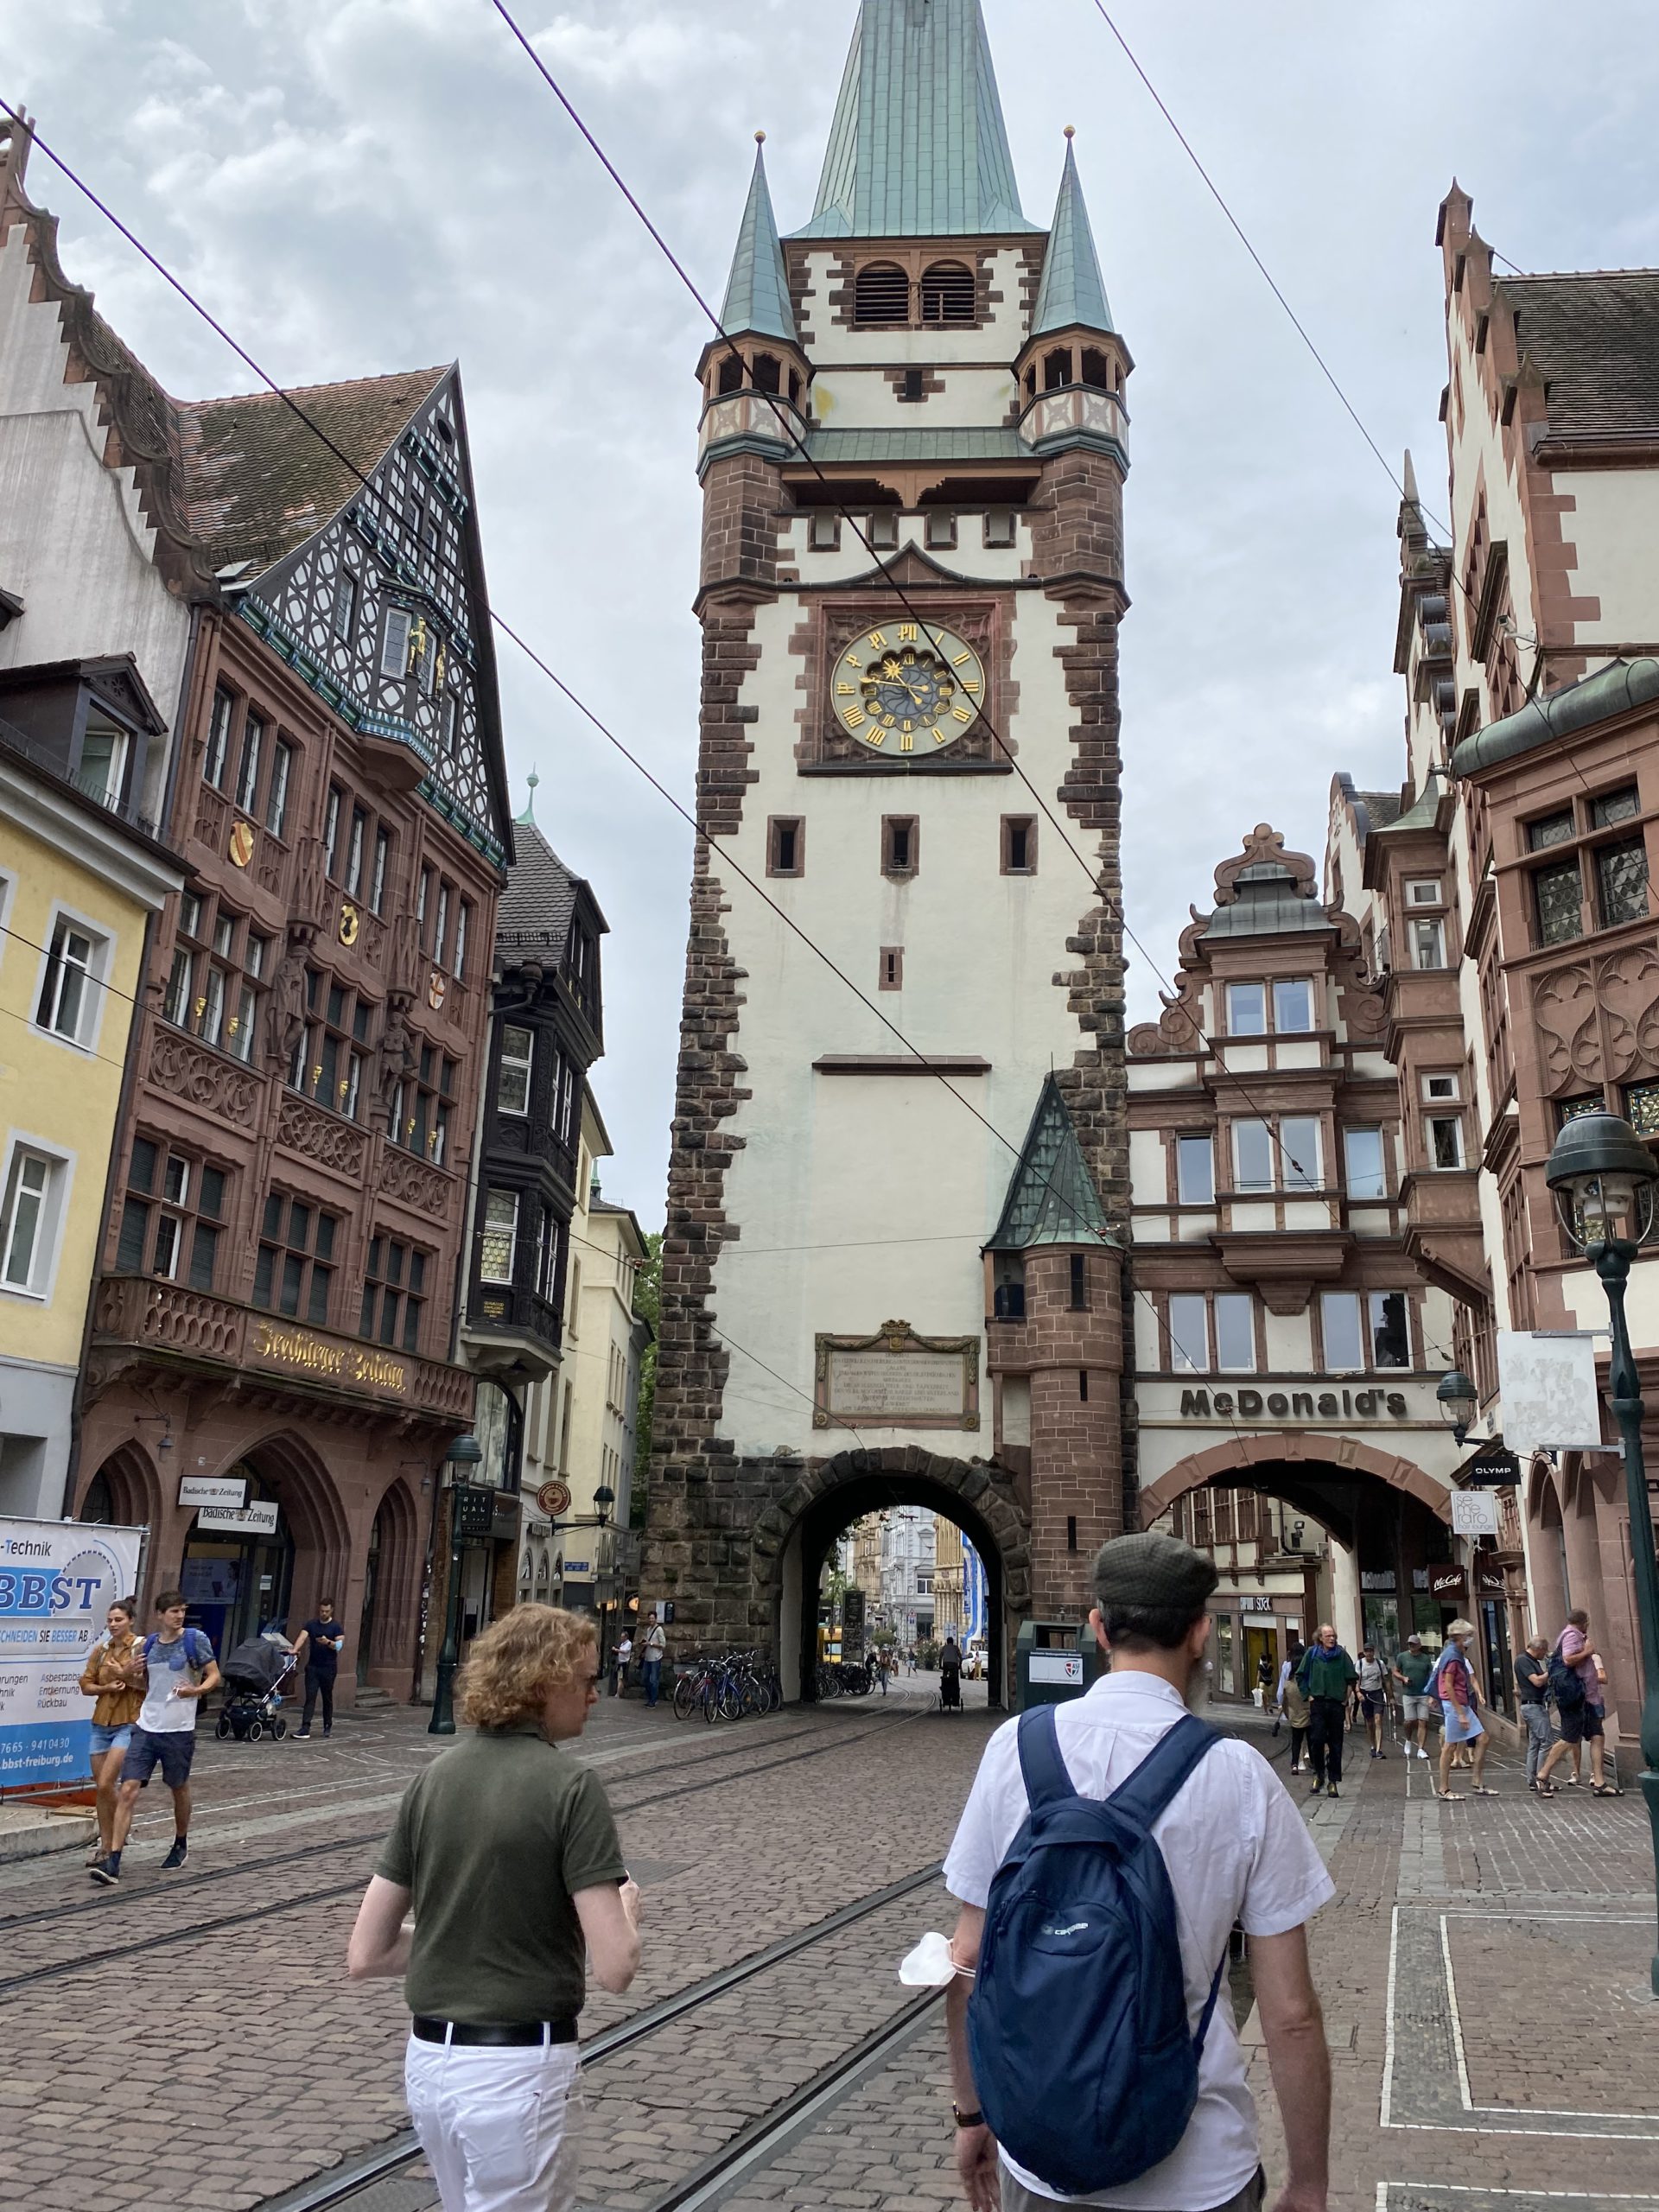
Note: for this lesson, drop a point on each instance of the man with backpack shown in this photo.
(1575, 1685)
(178, 1671)
(1327, 1675)
(1107, 1847)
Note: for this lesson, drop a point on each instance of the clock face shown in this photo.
(908, 688)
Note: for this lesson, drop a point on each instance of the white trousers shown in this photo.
(498, 2127)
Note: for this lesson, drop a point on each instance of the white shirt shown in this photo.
(656, 1641)
(1236, 1849)
(164, 1712)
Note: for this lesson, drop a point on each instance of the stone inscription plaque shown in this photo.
(897, 1379)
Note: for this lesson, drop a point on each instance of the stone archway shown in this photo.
(391, 1590)
(792, 1537)
(1243, 1459)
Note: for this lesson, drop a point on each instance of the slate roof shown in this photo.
(256, 482)
(917, 148)
(869, 446)
(540, 898)
(1614, 690)
(1269, 905)
(1051, 1196)
(1383, 807)
(1072, 292)
(757, 292)
(1595, 338)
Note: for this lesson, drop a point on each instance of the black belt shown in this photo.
(494, 2035)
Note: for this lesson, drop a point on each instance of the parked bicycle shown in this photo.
(732, 1685)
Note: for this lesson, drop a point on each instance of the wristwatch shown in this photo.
(974, 2119)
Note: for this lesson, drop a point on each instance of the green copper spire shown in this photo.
(528, 813)
(1071, 292)
(1051, 1197)
(757, 293)
(917, 148)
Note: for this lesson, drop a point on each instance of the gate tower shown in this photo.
(867, 1295)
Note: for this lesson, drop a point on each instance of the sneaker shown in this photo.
(327, 1734)
(105, 1870)
(1376, 1755)
(175, 1858)
(302, 1735)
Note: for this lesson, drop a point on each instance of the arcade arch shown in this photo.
(795, 1536)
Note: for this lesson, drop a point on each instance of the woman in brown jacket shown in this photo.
(115, 1676)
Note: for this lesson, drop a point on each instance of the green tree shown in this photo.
(647, 1303)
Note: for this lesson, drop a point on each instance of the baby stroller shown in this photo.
(950, 1690)
(256, 1674)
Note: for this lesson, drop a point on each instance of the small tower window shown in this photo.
(892, 972)
(1057, 368)
(1019, 844)
(768, 373)
(794, 388)
(1080, 1282)
(941, 528)
(881, 293)
(731, 373)
(1031, 381)
(900, 844)
(786, 845)
(910, 385)
(884, 531)
(949, 294)
(1097, 369)
(999, 527)
(823, 532)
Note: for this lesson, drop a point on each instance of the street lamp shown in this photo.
(604, 1499)
(465, 1451)
(1459, 1401)
(1606, 1182)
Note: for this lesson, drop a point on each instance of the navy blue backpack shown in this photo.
(1086, 2069)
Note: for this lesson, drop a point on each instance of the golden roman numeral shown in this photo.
(852, 661)
(962, 713)
(887, 721)
(907, 634)
(844, 690)
(967, 686)
(876, 737)
(910, 725)
(854, 717)
(878, 640)
(960, 658)
(941, 737)
(906, 743)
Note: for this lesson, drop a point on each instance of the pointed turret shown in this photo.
(757, 292)
(1072, 295)
(917, 148)
(1051, 1196)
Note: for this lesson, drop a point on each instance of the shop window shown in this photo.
(1195, 1170)
(293, 1272)
(422, 1105)
(1363, 1163)
(330, 1057)
(516, 1064)
(394, 1293)
(1247, 1009)
(173, 1216)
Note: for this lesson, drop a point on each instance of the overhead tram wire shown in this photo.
(589, 713)
(1113, 905)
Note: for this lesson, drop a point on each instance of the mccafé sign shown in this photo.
(1294, 1405)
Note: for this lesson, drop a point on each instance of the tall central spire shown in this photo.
(917, 148)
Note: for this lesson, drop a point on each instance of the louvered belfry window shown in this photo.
(948, 294)
(881, 293)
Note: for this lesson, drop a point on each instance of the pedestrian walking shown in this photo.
(114, 1675)
(1532, 1694)
(1327, 1675)
(654, 1648)
(505, 1851)
(1459, 1696)
(1231, 1847)
(879, 1663)
(950, 1673)
(621, 1660)
(1263, 1679)
(317, 1649)
(1412, 1668)
(1577, 1679)
(1292, 1703)
(1373, 1697)
(179, 1670)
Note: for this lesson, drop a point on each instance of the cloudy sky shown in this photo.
(357, 186)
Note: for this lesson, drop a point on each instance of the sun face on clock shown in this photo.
(908, 688)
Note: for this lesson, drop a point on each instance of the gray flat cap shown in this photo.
(1154, 1571)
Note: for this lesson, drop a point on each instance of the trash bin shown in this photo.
(1054, 1660)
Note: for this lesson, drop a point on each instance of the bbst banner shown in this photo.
(57, 1580)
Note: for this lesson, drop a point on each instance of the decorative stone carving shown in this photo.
(190, 1071)
(1265, 848)
(1597, 1020)
(414, 1182)
(397, 1059)
(285, 1008)
(212, 816)
(323, 1137)
(1564, 1009)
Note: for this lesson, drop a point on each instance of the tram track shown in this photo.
(165, 1938)
(354, 2188)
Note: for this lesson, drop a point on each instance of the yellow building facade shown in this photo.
(77, 887)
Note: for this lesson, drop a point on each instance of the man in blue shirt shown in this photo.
(321, 1644)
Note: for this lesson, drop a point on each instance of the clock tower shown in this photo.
(893, 1267)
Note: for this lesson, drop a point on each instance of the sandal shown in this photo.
(1606, 1790)
(1481, 1790)
(1450, 1796)
(1547, 1789)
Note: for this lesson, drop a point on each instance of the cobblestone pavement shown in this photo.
(1467, 1947)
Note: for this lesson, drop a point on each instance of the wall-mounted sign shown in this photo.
(1448, 1584)
(1378, 1582)
(575, 1567)
(258, 1519)
(326, 1359)
(1474, 1513)
(474, 1510)
(1494, 1471)
(204, 1490)
(1295, 1405)
(554, 1498)
(896, 1379)
(1058, 1666)
(1550, 1398)
(1256, 1602)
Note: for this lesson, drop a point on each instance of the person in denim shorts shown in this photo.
(114, 1675)
(179, 1670)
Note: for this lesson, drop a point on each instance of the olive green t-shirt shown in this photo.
(493, 1840)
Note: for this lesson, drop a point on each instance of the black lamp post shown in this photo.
(466, 1452)
(1459, 1401)
(1606, 1182)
